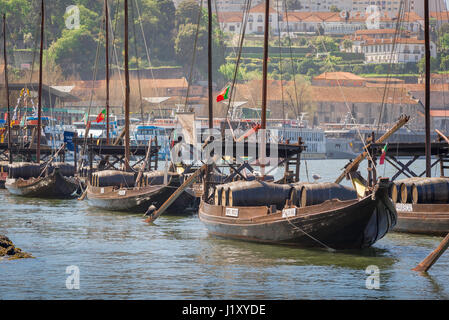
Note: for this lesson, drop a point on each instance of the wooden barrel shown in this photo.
(316, 193)
(405, 188)
(295, 195)
(157, 177)
(108, 178)
(258, 193)
(218, 195)
(393, 192)
(66, 169)
(24, 170)
(225, 196)
(431, 190)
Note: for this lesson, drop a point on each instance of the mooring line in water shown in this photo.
(310, 236)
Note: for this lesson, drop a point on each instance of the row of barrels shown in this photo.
(261, 193)
(420, 190)
(116, 178)
(27, 170)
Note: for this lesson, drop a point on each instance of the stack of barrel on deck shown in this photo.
(262, 193)
(27, 170)
(420, 190)
(116, 178)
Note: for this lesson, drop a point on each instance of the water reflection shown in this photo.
(120, 256)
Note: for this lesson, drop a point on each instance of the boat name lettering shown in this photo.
(232, 212)
(408, 207)
(122, 192)
(287, 213)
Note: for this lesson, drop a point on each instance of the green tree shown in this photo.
(333, 8)
(20, 17)
(308, 64)
(159, 28)
(185, 42)
(325, 44)
(187, 12)
(347, 44)
(444, 65)
(66, 52)
(444, 42)
(75, 50)
(357, 69)
(228, 70)
(379, 69)
(433, 65)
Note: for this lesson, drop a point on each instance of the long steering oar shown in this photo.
(428, 262)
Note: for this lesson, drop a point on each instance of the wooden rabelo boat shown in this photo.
(333, 224)
(139, 199)
(135, 196)
(428, 215)
(428, 219)
(421, 211)
(54, 186)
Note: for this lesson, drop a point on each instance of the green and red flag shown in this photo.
(384, 153)
(101, 115)
(224, 94)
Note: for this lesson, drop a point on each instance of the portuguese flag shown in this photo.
(101, 115)
(224, 94)
(384, 153)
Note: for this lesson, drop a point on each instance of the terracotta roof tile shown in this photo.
(338, 76)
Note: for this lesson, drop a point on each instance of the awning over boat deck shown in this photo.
(236, 104)
(402, 149)
(156, 100)
(252, 148)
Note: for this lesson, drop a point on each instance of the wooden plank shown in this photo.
(442, 135)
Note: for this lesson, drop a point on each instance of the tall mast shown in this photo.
(209, 86)
(427, 98)
(127, 91)
(8, 125)
(263, 124)
(209, 63)
(39, 106)
(265, 65)
(106, 13)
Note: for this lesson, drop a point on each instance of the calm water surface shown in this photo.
(120, 257)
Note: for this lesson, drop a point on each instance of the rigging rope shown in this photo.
(200, 11)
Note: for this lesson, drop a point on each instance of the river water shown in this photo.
(120, 257)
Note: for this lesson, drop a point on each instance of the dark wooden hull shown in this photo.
(53, 186)
(137, 200)
(426, 219)
(3, 177)
(336, 224)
